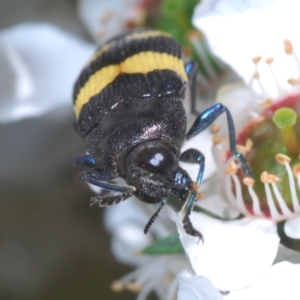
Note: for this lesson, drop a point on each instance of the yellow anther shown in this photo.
(256, 59)
(231, 169)
(199, 196)
(215, 128)
(264, 176)
(134, 287)
(256, 75)
(266, 103)
(288, 47)
(241, 149)
(248, 145)
(268, 178)
(117, 286)
(269, 60)
(248, 181)
(217, 140)
(272, 178)
(282, 158)
(296, 170)
(293, 81)
(245, 149)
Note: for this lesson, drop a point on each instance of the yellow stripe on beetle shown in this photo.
(143, 62)
(146, 34)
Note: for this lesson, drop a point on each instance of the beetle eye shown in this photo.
(157, 160)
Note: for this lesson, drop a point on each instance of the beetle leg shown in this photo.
(191, 69)
(154, 216)
(187, 224)
(85, 161)
(206, 118)
(96, 178)
(110, 200)
(196, 157)
(192, 156)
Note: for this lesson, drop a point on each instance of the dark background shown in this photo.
(52, 245)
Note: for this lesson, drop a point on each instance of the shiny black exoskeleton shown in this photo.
(128, 101)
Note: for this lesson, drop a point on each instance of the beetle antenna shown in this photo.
(155, 215)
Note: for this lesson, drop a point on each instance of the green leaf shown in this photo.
(168, 245)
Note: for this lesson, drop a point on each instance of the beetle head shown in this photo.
(152, 168)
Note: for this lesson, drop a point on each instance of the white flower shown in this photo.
(230, 256)
(157, 273)
(104, 19)
(248, 37)
(266, 56)
(193, 287)
(238, 31)
(281, 282)
(39, 63)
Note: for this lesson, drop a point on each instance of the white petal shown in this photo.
(213, 202)
(285, 254)
(292, 228)
(126, 222)
(104, 19)
(203, 143)
(234, 254)
(238, 98)
(238, 31)
(192, 287)
(39, 65)
(281, 282)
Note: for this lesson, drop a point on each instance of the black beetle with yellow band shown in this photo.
(128, 101)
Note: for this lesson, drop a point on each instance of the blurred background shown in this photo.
(52, 245)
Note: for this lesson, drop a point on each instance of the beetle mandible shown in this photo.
(128, 104)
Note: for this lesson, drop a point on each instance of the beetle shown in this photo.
(128, 101)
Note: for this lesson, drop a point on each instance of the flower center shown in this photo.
(275, 150)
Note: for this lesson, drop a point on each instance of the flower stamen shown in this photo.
(293, 81)
(282, 158)
(215, 128)
(295, 202)
(134, 286)
(255, 202)
(284, 208)
(231, 169)
(241, 149)
(217, 139)
(288, 47)
(248, 145)
(267, 179)
(256, 76)
(289, 50)
(269, 62)
(245, 149)
(266, 103)
(117, 286)
(239, 197)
